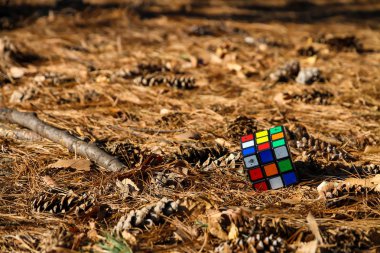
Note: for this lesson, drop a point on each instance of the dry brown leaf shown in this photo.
(213, 221)
(309, 247)
(234, 232)
(313, 226)
(127, 187)
(129, 238)
(78, 164)
(188, 135)
(128, 96)
(49, 181)
(372, 149)
(92, 234)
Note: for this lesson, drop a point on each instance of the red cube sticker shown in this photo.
(255, 174)
(262, 186)
(248, 137)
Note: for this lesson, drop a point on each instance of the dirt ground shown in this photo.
(169, 87)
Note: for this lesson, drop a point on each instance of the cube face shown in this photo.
(267, 159)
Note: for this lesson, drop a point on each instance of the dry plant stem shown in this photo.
(89, 150)
(19, 134)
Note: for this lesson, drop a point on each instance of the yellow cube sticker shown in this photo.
(261, 134)
(262, 140)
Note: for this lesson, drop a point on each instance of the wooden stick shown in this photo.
(19, 134)
(74, 144)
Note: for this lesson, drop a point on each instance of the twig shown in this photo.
(74, 144)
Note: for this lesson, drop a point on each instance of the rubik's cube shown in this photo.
(267, 159)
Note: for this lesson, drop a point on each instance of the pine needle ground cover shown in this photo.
(168, 88)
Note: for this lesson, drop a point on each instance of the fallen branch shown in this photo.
(19, 134)
(74, 144)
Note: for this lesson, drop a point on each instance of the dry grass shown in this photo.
(93, 56)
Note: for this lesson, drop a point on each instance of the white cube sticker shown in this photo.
(250, 161)
(276, 183)
(281, 152)
(248, 144)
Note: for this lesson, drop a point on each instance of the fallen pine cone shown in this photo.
(148, 216)
(230, 161)
(241, 126)
(198, 155)
(287, 72)
(346, 240)
(309, 76)
(63, 203)
(253, 244)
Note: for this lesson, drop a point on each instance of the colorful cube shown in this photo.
(267, 159)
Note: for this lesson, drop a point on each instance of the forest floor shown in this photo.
(169, 87)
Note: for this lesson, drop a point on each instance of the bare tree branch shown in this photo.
(74, 144)
(19, 134)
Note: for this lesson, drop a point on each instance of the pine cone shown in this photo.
(167, 179)
(286, 73)
(341, 193)
(308, 51)
(63, 203)
(52, 78)
(249, 224)
(149, 80)
(231, 161)
(315, 148)
(198, 155)
(126, 152)
(347, 240)
(181, 82)
(311, 97)
(241, 126)
(147, 216)
(175, 119)
(59, 238)
(309, 76)
(143, 69)
(252, 244)
(347, 43)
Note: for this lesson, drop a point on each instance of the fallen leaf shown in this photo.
(127, 187)
(92, 234)
(78, 164)
(309, 247)
(17, 72)
(213, 221)
(372, 149)
(49, 181)
(234, 232)
(313, 226)
(129, 238)
(188, 135)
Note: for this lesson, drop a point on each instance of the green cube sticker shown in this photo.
(285, 165)
(277, 143)
(275, 130)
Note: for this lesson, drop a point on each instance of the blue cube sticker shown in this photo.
(266, 156)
